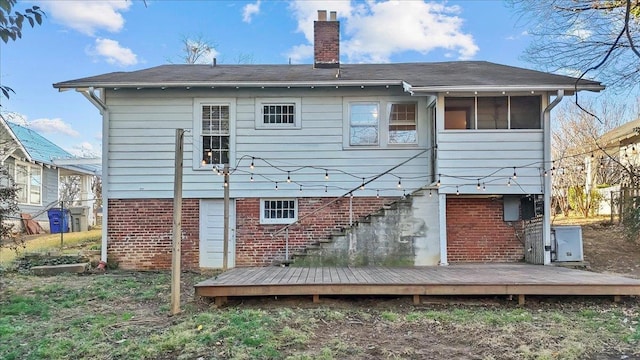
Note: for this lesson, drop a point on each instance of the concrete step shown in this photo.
(47, 270)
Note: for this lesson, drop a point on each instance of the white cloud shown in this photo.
(85, 149)
(88, 17)
(52, 126)
(249, 10)
(113, 52)
(375, 30)
(299, 53)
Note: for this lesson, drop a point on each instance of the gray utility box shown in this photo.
(79, 218)
(566, 242)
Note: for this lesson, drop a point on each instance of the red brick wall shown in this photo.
(256, 247)
(326, 42)
(140, 233)
(477, 233)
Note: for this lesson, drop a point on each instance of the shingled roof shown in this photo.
(437, 76)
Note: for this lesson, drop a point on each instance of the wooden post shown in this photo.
(177, 224)
(225, 245)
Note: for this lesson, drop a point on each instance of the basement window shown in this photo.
(278, 211)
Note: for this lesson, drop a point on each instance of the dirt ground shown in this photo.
(607, 250)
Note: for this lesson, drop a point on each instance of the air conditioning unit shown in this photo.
(566, 243)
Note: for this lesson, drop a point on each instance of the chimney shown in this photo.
(326, 41)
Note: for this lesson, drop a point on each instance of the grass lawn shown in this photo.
(124, 315)
(50, 242)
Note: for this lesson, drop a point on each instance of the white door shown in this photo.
(212, 233)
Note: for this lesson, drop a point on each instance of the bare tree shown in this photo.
(582, 161)
(576, 37)
(197, 50)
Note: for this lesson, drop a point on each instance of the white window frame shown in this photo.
(197, 130)
(262, 102)
(378, 127)
(389, 107)
(268, 221)
(29, 185)
(475, 112)
(384, 104)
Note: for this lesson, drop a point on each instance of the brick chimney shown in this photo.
(326, 41)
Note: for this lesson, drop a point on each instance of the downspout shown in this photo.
(104, 111)
(546, 221)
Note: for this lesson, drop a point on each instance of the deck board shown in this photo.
(472, 279)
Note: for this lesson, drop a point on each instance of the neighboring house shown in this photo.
(32, 160)
(470, 140)
(621, 145)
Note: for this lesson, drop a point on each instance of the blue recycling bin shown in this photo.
(58, 220)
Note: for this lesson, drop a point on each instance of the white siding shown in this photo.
(141, 147)
(465, 156)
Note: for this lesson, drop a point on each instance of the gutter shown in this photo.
(546, 220)
(98, 102)
(82, 87)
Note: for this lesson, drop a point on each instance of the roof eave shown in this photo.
(236, 84)
(509, 88)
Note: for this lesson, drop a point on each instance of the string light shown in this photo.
(362, 186)
(438, 183)
(325, 188)
(457, 190)
(478, 186)
(399, 183)
(350, 194)
(276, 186)
(514, 173)
(484, 187)
(377, 194)
(430, 193)
(252, 166)
(288, 177)
(326, 174)
(251, 178)
(509, 182)
(300, 188)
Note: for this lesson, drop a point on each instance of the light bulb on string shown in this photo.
(362, 186)
(438, 183)
(509, 182)
(326, 174)
(276, 186)
(251, 178)
(326, 188)
(300, 188)
(430, 193)
(252, 166)
(514, 173)
(288, 177)
(457, 191)
(377, 194)
(399, 183)
(478, 186)
(484, 187)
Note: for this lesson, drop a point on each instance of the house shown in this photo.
(435, 162)
(37, 166)
(619, 150)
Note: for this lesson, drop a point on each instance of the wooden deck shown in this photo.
(476, 279)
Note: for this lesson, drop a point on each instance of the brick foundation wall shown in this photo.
(477, 233)
(140, 233)
(256, 247)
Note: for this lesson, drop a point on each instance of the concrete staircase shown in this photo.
(403, 233)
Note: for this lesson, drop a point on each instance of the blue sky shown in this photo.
(84, 38)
